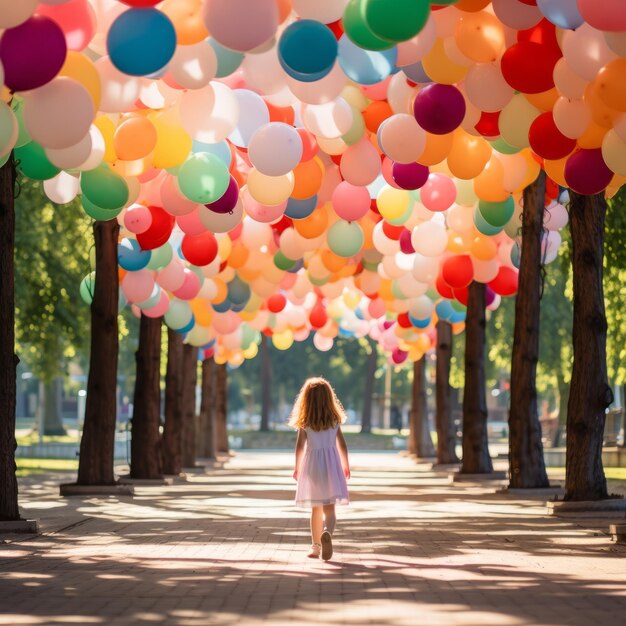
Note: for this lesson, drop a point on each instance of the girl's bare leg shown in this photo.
(317, 523)
(329, 518)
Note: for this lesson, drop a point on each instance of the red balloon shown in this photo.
(318, 316)
(457, 271)
(200, 249)
(488, 124)
(406, 245)
(443, 289)
(276, 303)
(391, 231)
(543, 33)
(462, 295)
(159, 231)
(528, 66)
(547, 140)
(399, 356)
(505, 283)
(587, 173)
(138, 4)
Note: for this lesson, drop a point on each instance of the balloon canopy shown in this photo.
(324, 168)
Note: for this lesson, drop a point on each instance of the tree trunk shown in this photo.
(368, 391)
(189, 382)
(172, 430)
(590, 393)
(52, 417)
(446, 432)
(206, 430)
(145, 447)
(97, 446)
(8, 359)
(421, 442)
(266, 384)
(221, 409)
(527, 469)
(476, 459)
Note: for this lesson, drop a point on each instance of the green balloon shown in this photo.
(317, 282)
(23, 136)
(282, 262)
(497, 213)
(484, 227)
(161, 257)
(87, 287)
(33, 163)
(356, 130)
(345, 239)
(98, 213)
(370, 265)
(397, 291)
(104, 188)
(501, 146)
(395, 21)
(359, 32)
(203, 178)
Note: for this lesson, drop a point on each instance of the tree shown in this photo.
(420, 441)
(206, 422)
(590, 393)
(145, 450)
(221, 408)
(95, 466)
(9, 510)
(173, 427)
(369, 382)
(446, 431)
(476, 459)
(527, 466)
(188, 401)
(266, 384)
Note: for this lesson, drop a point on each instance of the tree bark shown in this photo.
(590, 393)
(221, 409)
(52, 417)
(97, 446)
(8, 359)
(476, 459)
(266, 384)
(189, 382)
(368, 391)
(145, 447)
(206, 430)
(421, 442)
(527, 469)
(446, 432)
(173, 427)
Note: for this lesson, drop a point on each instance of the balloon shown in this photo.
(614, 152)
(260, 212)
(134, 138)
(611, 82)
(203, 178)
(104, 187)
(254, 115)
(330, 120)
(392, 203)
(227, 60)
(138, 286)
(61, 189)
(429, 239)
(562, 13)
(401, 138)
(486, 88)
(32, 53)
(438, 193)
(200, 249)
(505, 283)
(186, 15)
(241, 25)
(137, 218)
(299, 209)
(159, 231)
(130, 256)
(350, 202)
(356, 28)
(15, 13)
(409, 175)
(222, 222)
(480, 37)
(270, 190)
(528, 66)
(457, 271)
(608, 15)
(192, 66)
(547, 140)
(439, 109)
(77, 20)
(586, 51)
(497, 213)
(517, 14)
(141, 41)
(33, 162)
(226, 203)
(307, 50)
(365, 66)
(275, 149)
(360, 163)
(179, 315)
(587, 173)
(395, 21)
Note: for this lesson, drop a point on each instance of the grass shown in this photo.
(612, 473)
(30, 467)
(33, 438)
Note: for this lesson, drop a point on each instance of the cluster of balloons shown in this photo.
(335, 167)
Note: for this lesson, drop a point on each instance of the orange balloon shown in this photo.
(437, 148)
(308, 178)
(593, 136)
(202, 311)
(281, 114)
(440, 67)
(134, 138)
(488, 185)
(284, 10)
(248, 275)
(556, 170)
(468, 156)
(375, 114)
(545, 100)
(611, 81)
(238, 255)
(186, 16)
(600, 112)
(222, 291)
(484, 248)
(471, 6)
(385, 290)
(480, 36)
(331, 261)
(313, 225)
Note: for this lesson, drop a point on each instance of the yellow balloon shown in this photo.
(270, 190)
(106, 126)
(440, 68)
(282, 341)
(392, 203)
(614, 152)
(173, 142)
(251, 351)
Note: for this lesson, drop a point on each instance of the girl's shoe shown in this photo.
(315, 551)
(327, 546)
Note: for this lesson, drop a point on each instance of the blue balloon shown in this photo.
(365, 66)
(419, 323)
(220, 150)
(562, 13)
(222, 307)
(141, 41)
(131, 257)
(185, 329)
(457, 316)
(238, 291)
(227, 60)
(299, 264)
(444, 310)
(416, 73)
(516, 255)
(299, 209)
(307, 50)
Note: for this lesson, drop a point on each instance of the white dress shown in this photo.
(320, 478)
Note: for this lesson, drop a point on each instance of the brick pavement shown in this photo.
(228, 548)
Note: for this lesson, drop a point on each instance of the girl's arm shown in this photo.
(300, 441)
(343, 452)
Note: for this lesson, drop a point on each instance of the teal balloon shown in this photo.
(31, 160)
(104, 188)
(219, 149)
(227, 60)
(516, 255)
(282, 262)
(497, 213)
(483, 226)
(357, 30)
(203, 178)
(365, 66)
(501, 146)
(238, 291)
(399, 20)
(153, 300)
(179, 315)
(87, 287)
(345, 239)
(98, 213)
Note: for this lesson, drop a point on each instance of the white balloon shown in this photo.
(330, 120)
(275, 149)
(254, 114)
(63, 188)
(325, 11)
(119, 91)
(429, 239)
(193, 67)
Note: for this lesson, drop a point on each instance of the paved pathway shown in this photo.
(228, 548)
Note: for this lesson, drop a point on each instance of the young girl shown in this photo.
(321, 460)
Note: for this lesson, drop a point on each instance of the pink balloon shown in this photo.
(160, 308)
(387, 172)
(77, 20)
(137, 218)
(190, 223)
(399, 356)
(174, 202)
(587, 173)
(438, 193)
(138, 286)
(260, 212)
(172, 276)
(606, 15)
(190, 287)
(350, 202)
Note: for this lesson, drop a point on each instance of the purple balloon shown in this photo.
(439, 109)
(587, 173)
(228, 201)
(32, 53)
(409, 175)
(406, 245)
(490, 295)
